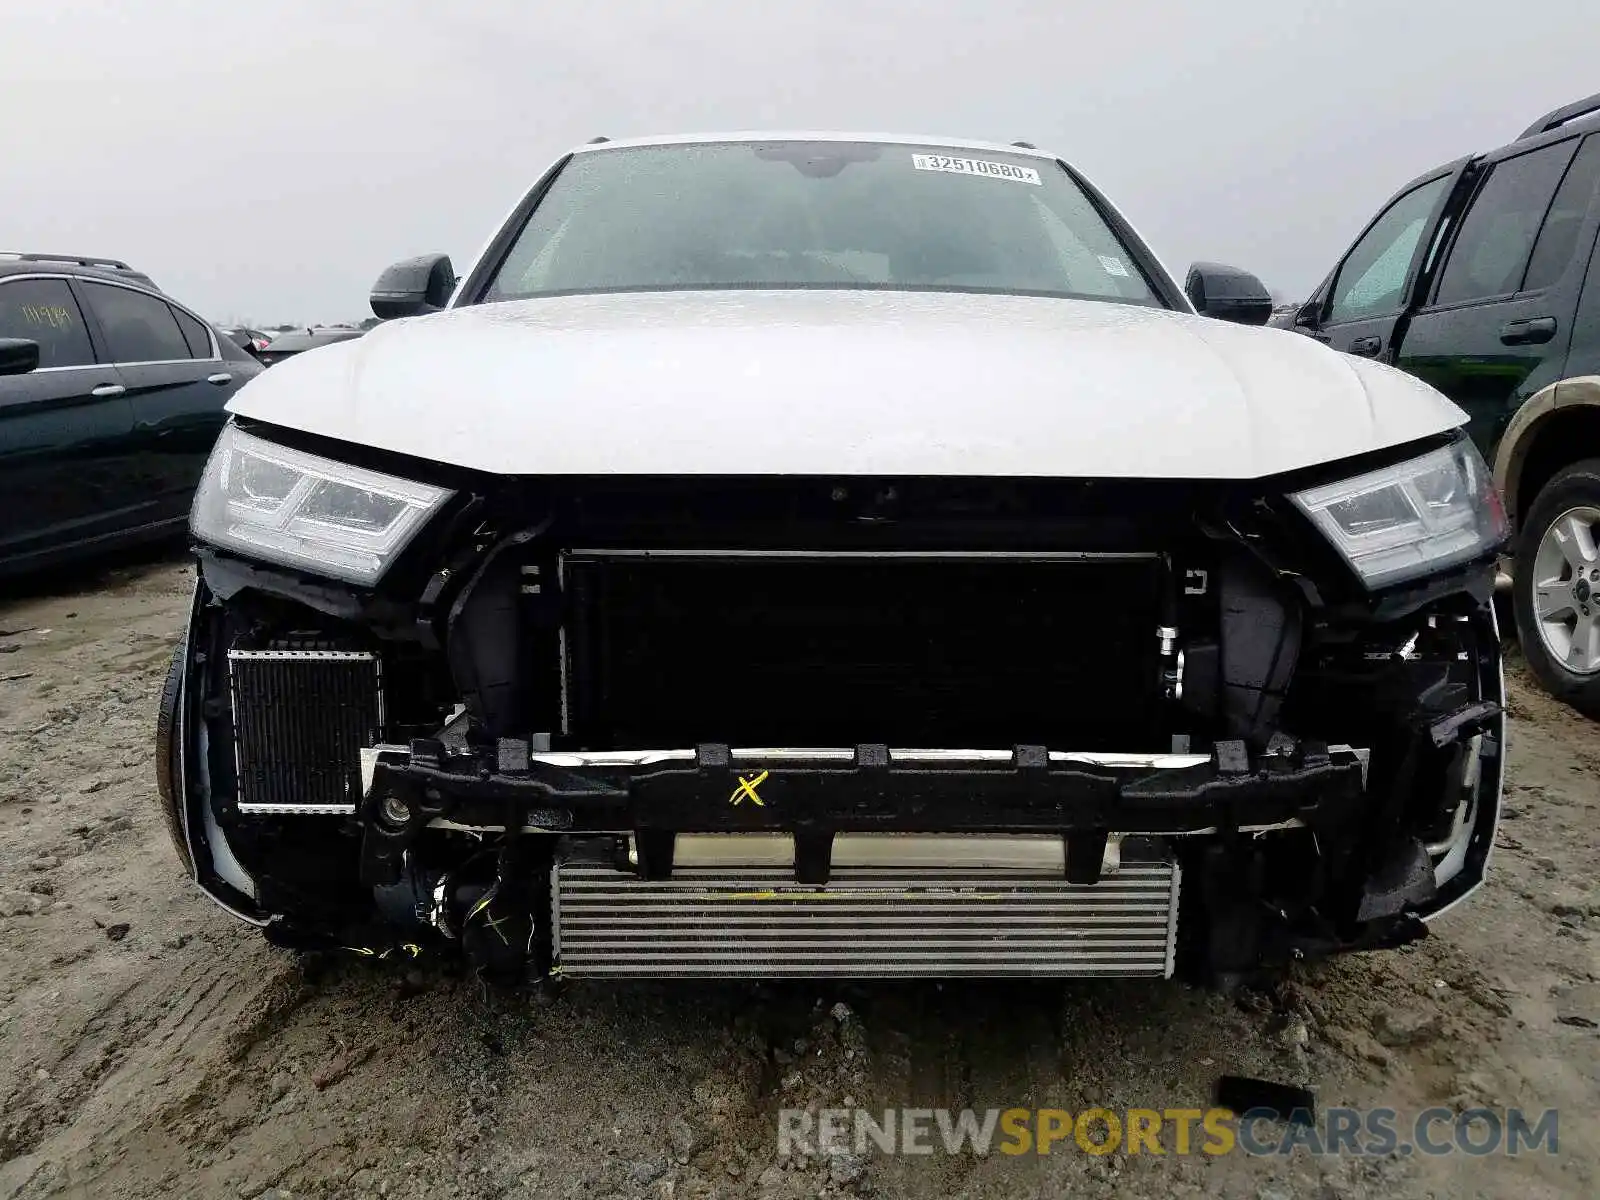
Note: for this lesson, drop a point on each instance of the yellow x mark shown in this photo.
(747, 787)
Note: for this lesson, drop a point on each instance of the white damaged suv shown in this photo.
(836, 555)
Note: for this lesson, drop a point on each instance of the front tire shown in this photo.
(1557, 591)
(169, 754)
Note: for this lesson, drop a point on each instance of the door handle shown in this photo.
(107, 390)
(220, 378)
(1534, 331)
(1367, 347)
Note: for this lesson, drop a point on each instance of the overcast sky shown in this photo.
(267, 159)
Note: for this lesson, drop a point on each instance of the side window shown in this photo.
(1496, 237)
(1558, 239)
(139, 327)
(194, 333)
(1372, 281)
(44, 311)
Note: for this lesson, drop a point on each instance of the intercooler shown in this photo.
(893, 922)
(815, 648)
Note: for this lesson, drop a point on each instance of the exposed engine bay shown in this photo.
(857, 727)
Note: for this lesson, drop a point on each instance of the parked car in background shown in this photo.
(1283, 316)
(111, 395)
(298, 341)
(1482, 277)
(835, 555)
(253, 340)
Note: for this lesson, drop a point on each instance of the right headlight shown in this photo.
(1412, 519)
(296, 509)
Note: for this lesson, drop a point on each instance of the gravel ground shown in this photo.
(151, 1046)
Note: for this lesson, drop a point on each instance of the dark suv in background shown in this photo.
(111, 395)
(1482, 278)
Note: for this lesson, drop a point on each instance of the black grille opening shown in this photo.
(672, 651)
(301, 719)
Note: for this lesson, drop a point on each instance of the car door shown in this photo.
(66, 429)
(1362, 305)
(178, 381)
(1498, 322)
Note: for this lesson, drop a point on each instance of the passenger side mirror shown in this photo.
(414, 286)
(18, 356)
(1228, 294)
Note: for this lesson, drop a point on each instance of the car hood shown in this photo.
(845, 383)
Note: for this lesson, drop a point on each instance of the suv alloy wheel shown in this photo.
(1558, 586)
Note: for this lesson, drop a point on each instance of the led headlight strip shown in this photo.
(1412, 519)
(296, 509)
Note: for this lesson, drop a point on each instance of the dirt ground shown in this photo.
(151, 1046)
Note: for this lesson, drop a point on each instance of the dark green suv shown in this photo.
(1482, 278)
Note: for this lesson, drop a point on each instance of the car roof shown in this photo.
(893, 139)
(16, 263)
(1569, 121)
(1584, 114)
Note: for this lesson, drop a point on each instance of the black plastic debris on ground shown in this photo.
(1262, 1098)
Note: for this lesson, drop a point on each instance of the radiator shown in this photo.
(667, 648)
(300, 721)
(754, 922)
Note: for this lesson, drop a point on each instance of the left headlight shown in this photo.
(301, 510)
(1411, 519)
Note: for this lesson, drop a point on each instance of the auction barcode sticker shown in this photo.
(976, 166)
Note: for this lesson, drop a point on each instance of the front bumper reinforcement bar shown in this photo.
(815, 793)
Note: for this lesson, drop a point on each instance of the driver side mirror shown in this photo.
(413, 287)
(1228, 294)
(18, 356)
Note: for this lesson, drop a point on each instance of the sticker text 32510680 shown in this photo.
(976, 166)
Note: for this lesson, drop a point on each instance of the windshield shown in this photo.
(817, 214)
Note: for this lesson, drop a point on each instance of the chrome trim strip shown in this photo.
(612, 758)
(792, 754)
(298, 810)
(1157, 762)
(900, 555)
(100, 366)
(318, 655)
(763, 754)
